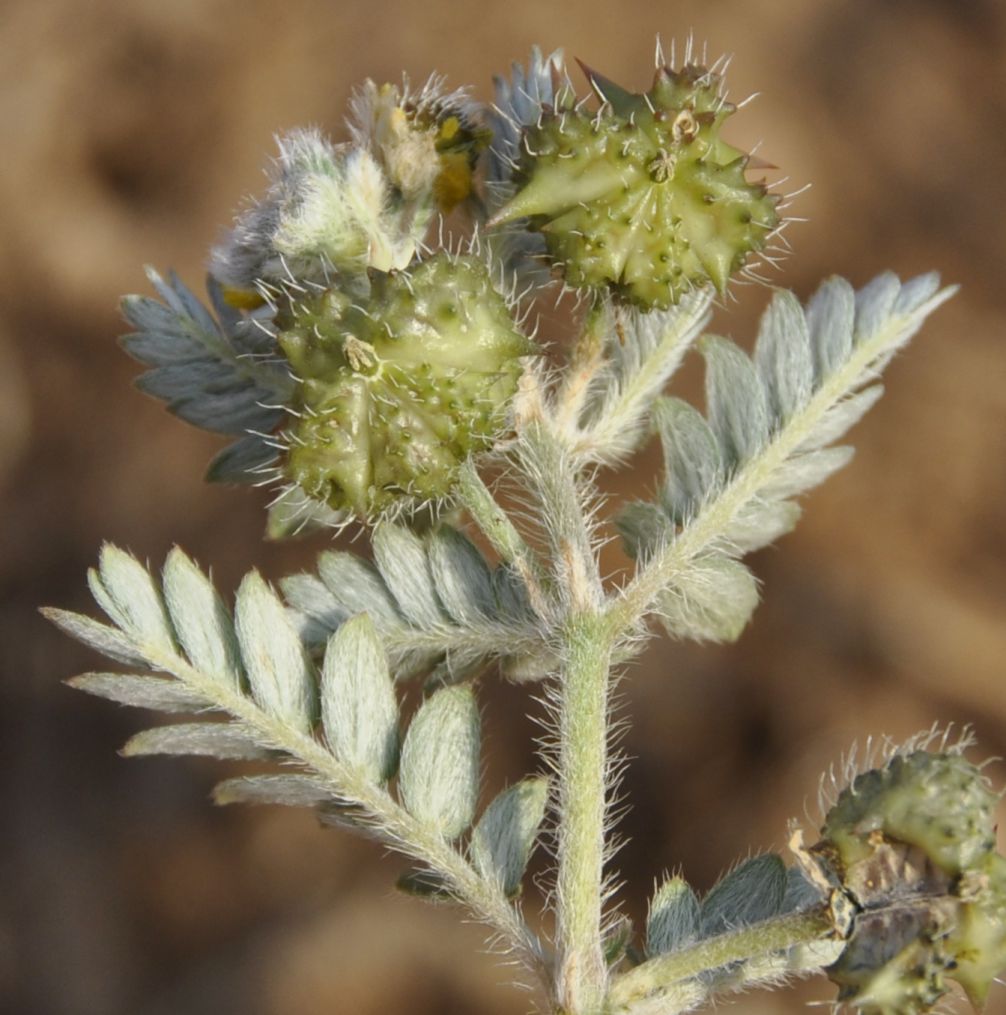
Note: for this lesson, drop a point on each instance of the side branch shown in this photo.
(647, 351)
(797, 943)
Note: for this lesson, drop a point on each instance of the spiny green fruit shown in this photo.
(399, 386)
(913, 844)
(644, 197)
(937, 802)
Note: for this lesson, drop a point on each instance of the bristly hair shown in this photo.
(877, 752)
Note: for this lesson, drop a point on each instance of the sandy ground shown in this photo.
(131, 131)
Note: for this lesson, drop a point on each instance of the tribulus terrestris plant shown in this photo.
(379, 376)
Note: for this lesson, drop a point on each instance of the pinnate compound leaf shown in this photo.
(753, 891)
(315, 611)
(183, 302)
(644, 528)
(260, 650)
(216, 739)
(359, 710)
(730, 482)
(737, 401)
(801, 893)
(358, 587)
(839, 418)
(760, 522)
(812, 365)
(435, 602)
(916, 292)
(504, 836)
(405, 567)
(643, 350)
(875, 304)
(692, 458)
(673, 919)
(783, 356)
(510, 593)
(279, 672)
(241, 461)
(831, 316)
(425, 884)
(109, 641)
(439, 772)
(221, 375)
(805, 471)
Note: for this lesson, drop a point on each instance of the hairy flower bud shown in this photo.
(913, 845)
(343, 209)
(644, 196)
(397, 388)
(427, 141)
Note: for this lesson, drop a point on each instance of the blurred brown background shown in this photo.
(130, 132)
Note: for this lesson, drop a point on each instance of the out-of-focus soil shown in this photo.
(131, 131)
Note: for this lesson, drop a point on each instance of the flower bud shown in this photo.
(428, 142)
(340, 210)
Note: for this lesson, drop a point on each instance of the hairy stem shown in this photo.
(796, 943)
(563, 503)
(583, 770)
(582, 765)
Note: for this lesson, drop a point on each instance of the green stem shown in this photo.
(796, 943)
(582, 767)
(601, 438)
(545, 460)
(586, 361)
(585, 646)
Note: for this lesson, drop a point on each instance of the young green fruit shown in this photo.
(913, 845)
(937, 802)
(397, 388)
(643, 197)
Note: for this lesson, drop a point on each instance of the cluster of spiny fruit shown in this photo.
(405, 360)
